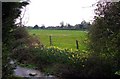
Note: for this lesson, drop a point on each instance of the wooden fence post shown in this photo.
(77, 46)
(50, 40)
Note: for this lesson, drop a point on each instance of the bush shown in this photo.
(104, 44)
(20, 32)
(23, 44)
(67, 63)
(55, 60)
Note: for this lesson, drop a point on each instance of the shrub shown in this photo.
(104, 36)
(65, 62)
(23, 44)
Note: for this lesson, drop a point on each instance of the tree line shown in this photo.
(82, 26)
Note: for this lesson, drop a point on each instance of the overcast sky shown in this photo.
(52, 12)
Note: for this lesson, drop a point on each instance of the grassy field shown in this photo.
(61, 38)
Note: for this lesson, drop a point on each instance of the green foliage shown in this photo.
(54, 60)
(105, 30)
(67, 63)
(24, 40)
(64, 56)
(13, 77)
(104, 35)
(27, 65)
(10, 11)
(118, 72)
(20, 32)
(22, 45)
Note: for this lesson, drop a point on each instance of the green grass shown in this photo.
(61, 38)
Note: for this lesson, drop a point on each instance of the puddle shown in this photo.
(25, 72)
